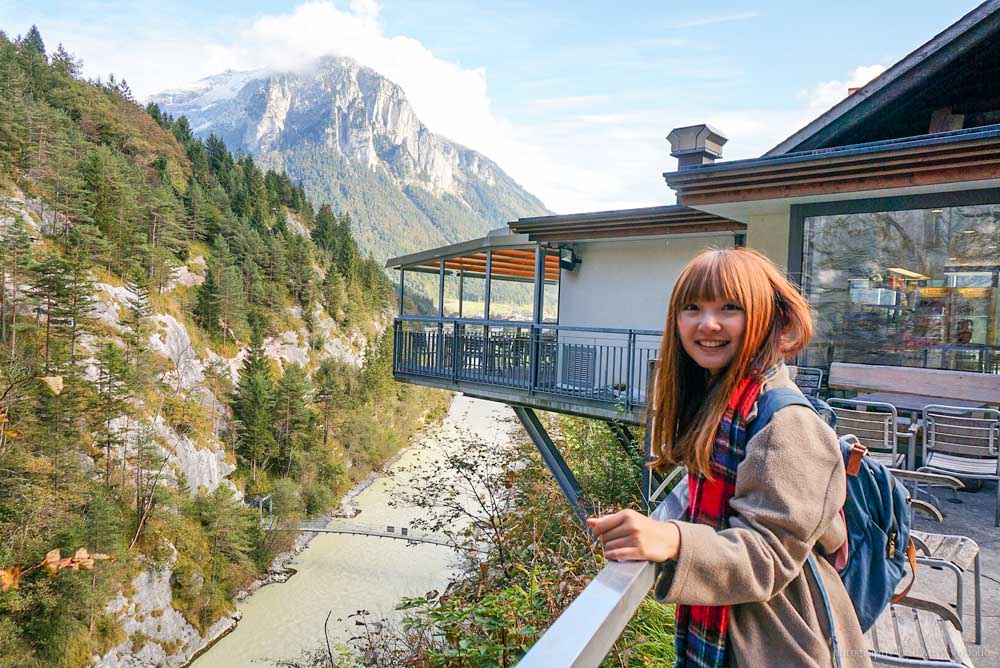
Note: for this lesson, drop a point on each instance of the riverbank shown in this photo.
(344, 574)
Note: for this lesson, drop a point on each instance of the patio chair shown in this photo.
(954, 553)
(917, 631)
(963, 442)
(876, 425)
(809, 379)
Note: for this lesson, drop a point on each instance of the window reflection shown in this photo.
(915, 288)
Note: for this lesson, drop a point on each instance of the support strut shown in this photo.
(557, 465)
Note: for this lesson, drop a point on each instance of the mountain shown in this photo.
(351, 138)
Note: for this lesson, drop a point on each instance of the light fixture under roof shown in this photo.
(937, 212)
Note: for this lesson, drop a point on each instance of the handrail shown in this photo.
(584, 633)
(526, 325)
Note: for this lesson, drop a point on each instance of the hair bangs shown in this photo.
(709, 277)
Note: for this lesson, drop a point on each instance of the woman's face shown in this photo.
(711, 332)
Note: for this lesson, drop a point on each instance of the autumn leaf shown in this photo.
(10, 578)
(51, 562)
(54, 383)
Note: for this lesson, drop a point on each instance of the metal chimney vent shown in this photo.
(696, 145)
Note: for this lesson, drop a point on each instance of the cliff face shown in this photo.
(352, 138)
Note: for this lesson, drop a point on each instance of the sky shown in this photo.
(573, 99)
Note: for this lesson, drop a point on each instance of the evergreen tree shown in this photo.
(32, 42)
(252, 408)
(16, 256)
(230, 302)
(294, 422)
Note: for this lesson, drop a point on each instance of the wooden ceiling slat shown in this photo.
(504, 271)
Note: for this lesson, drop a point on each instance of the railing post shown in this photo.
(629, 374)
(396, 345)
(534, 338)
(455, 356)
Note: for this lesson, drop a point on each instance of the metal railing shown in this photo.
(599, 364)
(586, 630)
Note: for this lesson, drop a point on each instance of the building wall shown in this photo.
(769, 234)
(626, 284)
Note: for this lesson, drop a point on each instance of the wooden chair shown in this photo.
(809, 379)
(876, 425)
(956, 554)
(963, 442)
(917, 631)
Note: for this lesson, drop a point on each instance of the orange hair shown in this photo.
(687, 404)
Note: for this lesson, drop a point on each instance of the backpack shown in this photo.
(877, 512)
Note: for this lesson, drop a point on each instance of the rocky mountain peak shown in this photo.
(354, 140)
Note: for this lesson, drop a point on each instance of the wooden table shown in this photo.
(914, 403)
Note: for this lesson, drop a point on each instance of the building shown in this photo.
(886, 210)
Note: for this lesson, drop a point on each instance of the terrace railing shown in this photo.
(597, 364)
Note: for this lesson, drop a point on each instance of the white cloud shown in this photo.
(586, 153)
(567, 102)
(712, 20)
(826, 94)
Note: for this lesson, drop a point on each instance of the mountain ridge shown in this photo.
(353, 140)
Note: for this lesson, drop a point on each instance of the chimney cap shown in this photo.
(702, 138)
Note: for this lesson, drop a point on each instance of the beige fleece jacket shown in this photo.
(789, 491)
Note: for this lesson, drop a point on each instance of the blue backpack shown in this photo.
(877, 510)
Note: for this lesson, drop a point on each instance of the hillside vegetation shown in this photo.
(102, 196)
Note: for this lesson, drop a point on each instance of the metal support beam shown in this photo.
(626, 440)
(550, 454)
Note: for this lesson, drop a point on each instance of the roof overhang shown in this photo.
(512, 258)
(944, 161)
(648, 222)
(910, 74)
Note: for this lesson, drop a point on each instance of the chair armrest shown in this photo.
(928, 478)
(939, 609)
(919, 542)
(928, 509)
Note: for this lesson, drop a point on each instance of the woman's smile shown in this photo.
(711, 332)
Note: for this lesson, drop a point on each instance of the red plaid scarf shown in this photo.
(701, 638)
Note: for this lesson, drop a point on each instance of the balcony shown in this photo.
(592, 372)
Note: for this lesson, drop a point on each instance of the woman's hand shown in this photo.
(628, 535)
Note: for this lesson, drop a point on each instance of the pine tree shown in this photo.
(33, 41)
(252, 408)
(294, 422)
(16, 256)
(49, 289)
(324, 232)
(110, 404)
(229, 302)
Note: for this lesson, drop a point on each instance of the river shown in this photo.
(343, 573)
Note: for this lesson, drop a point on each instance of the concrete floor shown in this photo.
(969, 514)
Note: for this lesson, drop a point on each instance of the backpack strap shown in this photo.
(768, 404)
(772, 401)
(814, 569)
(911, 556)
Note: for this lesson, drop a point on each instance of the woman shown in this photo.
(756, 507)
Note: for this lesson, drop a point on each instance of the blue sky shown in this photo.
(574, 99)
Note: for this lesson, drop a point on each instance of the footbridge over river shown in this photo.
(353, 529)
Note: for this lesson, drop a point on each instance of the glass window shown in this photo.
(916, 287)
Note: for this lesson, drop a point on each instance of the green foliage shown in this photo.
(540, 557)
(127, 194)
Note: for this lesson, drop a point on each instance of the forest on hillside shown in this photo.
(99, 195)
